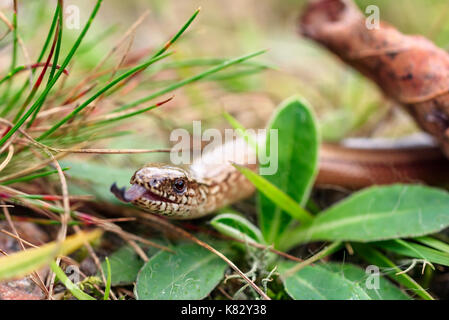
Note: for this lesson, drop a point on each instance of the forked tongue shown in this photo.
(134, 192)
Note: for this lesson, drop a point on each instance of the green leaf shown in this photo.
(318, 283)
(192, 79)
(49, 86)
(32, 176)
(333, 281)
(237, 227)
(189, 274)
(249, 139)
(415, 250)
(73, 288)
(390, 269)
(386, 290)
(125, 264)
(105, 88)
(298, 144)
(434, 243)
(108, 283)
(379, 213)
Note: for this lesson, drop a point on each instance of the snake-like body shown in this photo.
(189, 192)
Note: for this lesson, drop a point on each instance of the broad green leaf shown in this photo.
(238, 227)
(385, 291)
(24, 262)
(318, 283)
(297, 156)
(379, 213)
(125, 264)
(191, 273)
(334, 281)
(415, 250)
(388, 268)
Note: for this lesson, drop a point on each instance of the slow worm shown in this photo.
(205, 186)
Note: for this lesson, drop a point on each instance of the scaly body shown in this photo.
(207, 184)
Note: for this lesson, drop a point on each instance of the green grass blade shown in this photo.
(434, 243)
(240, 128)
(276, 195)
(172, 40)
(17, 96)
(107, 288)
(328, 250)
(132, 114)
(207, 62)
(55, 78)
(31, 177)
(377, 258)
(73, 288)
(414, 250)
(50, 32)
(184, 82)
(177, 35)
(14, 53)
(99, 93)
(38, 82)
(58, 47)
(12, 73)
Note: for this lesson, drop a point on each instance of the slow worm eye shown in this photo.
(179, 185)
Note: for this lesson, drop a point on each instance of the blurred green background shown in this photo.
(345, 103)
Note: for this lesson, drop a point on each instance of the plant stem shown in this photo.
(320, 255)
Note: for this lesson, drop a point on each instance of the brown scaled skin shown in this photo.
(167, 190)
(410, 69)
(350, 168)
(356, 168)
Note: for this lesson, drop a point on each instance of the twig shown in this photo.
(95, 259)
(115, 48)
(19, 39)
(34, 276)
(137, 249)
(253, 244)
(8, 157)
(223, 292)
(18, 238)
(24, 202)
(74, 150)
(65, 218)
(129, 236)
